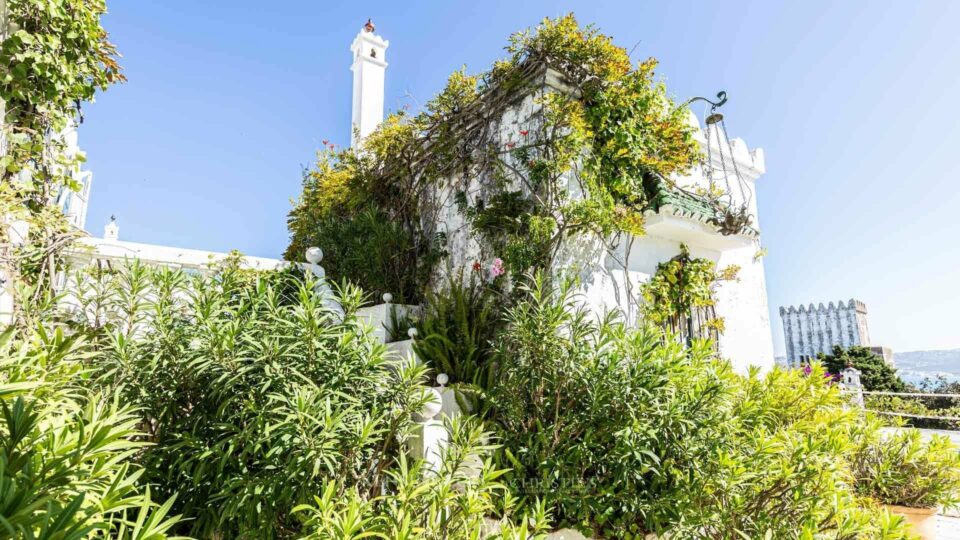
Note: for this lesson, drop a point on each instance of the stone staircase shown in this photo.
(431, 435)
(382, 318)
(379, 317)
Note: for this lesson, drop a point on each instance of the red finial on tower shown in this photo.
(369, 27)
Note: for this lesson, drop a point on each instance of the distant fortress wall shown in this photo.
(810, 330)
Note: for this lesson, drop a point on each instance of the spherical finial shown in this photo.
(412, 332)
(314, 255)
(387, 298)
(369, 27)
(443, 379)
(433, 405)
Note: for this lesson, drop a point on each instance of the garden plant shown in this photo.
(143, 402)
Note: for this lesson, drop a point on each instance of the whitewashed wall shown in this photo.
(611, 272)
(611, 279)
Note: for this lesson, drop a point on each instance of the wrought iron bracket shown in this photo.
(714, 105)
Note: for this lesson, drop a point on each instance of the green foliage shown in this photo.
(456, 332)
(942, 410)
(902, 468)
(54, 55)
(778, 467)
(588, 411)
(254, 394)
(637, 131)
(875, 374)
(67, 466)
(615, 126)
(372, 252)
(448, 504)
(681, 288)
(622, 433)
(940, 417)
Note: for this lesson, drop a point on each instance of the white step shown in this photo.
(379, 318)
(401, 350)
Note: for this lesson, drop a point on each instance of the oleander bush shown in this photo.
(623, 431)
(252, 393)
(781, 466)
(68, 467)
(901, 468)
(452, 502)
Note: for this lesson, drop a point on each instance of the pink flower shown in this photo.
(510, 145)
(524, 132)
(496, 269)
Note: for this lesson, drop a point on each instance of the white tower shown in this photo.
(369, 66)
(74, 203)
(111, 231)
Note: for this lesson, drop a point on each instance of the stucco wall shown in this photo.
(611, 279)
(611, 271)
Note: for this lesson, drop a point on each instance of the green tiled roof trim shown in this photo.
(664, 195)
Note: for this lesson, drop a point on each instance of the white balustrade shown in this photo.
(314, 255)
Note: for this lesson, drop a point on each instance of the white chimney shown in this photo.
(369, 66)
(111, 231)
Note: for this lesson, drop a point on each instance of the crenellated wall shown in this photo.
(810, 330)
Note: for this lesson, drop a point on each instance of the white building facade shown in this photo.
(611, 277)
(110, 250)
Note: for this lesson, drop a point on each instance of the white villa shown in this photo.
(611, 277)
(611, 272)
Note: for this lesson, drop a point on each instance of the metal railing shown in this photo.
(850, 384)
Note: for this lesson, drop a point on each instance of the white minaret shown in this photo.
(111, 231)
(369, 66)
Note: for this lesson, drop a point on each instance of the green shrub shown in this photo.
(779, 467)
(456, 332)
(67, 466)
(622, 433)
(254, 394)
(372, 251)
(939, 417)
(941, 409)
(875, 373)
(597, 419)
(450, 503)
(902, 468)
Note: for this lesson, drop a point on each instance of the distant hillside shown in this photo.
(914, 366)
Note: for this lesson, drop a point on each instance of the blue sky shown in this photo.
(855, 104)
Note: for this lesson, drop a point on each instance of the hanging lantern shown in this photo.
(727, 188)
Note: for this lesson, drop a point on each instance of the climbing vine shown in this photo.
(680, 296)
(575, 166)
(54, 56)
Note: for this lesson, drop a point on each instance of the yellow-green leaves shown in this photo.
(57, 57)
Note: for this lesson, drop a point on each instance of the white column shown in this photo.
(430, 436)
(369, 69)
